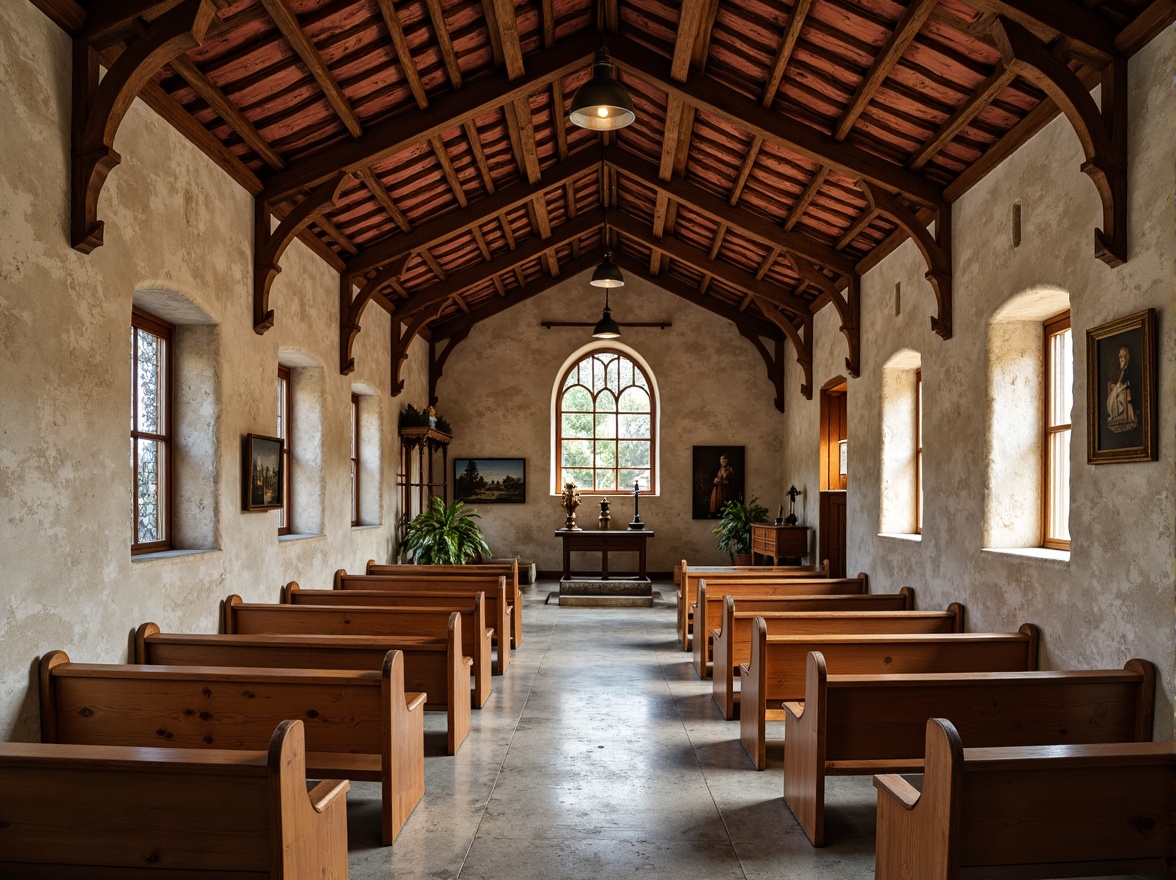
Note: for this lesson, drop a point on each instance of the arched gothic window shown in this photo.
(606, 421)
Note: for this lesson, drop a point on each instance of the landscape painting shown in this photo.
(490, 480)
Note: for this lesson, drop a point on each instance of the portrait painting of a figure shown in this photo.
(1121, 377)
(718, 478)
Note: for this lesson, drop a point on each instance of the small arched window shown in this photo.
(605, 425)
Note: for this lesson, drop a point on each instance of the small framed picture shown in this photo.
(490, 480)
(1121, 390)
(263, 472)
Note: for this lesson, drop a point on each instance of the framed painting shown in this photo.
(490, 480)
(263, 472)
(718, 478)
(1121, 390)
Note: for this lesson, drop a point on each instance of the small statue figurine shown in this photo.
(605, 516)
(791, 493)
(780, 516)
(569, 501)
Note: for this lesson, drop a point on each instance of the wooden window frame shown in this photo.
(148, 323)
(286, 409)
(918, 452)
(355, 458)
(559, 412)
(1050, 328)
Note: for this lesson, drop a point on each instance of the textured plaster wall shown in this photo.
(179, 230)
(1113, 598)
(497, 392)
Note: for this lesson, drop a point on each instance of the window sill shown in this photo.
(294, 536)
(1052, 558)
(365, 527)
(169, 556)
(912, 537)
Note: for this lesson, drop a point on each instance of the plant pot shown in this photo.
(742, 559)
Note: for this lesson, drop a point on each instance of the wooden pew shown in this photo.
(499, 614)
(755, 596)
(431, 666)
(732, 640)
(509, 570)
(103, 812)
(358, 725)
(866, 724)
(688, 594)
(1029, 811)
(472, 610)
(776, 671)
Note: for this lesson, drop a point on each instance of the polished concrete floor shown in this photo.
(600, 754)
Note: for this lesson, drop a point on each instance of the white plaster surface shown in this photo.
(1113, 599)
(179, 231)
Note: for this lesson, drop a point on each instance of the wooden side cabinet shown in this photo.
(779, 542)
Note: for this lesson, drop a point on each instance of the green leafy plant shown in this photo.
(445, 534)
(734, 528)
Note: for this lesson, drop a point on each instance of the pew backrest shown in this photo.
(1069, 810)
(76, 811)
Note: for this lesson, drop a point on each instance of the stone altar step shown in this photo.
(599, 592)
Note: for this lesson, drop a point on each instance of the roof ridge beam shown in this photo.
(450, 111)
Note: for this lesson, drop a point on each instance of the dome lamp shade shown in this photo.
(602, 103)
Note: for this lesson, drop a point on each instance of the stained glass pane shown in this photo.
(149, 486)
(148, 381)
(577, 424)
(633, 453)
(577, 399)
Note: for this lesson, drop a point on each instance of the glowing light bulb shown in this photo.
(602, 112)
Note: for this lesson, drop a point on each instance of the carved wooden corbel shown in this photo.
(1103, 135)
(402, 339)
(936, 249)
(801, 342)
(351, 310)
(100, 103)
(437, 361)
(268, 247)
(773, 360)
(848, 308)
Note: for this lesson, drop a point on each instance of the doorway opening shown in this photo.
(834, 475)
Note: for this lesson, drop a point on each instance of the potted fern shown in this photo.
(444, 534)
(734, 528)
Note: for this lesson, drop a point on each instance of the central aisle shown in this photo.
(600, 755)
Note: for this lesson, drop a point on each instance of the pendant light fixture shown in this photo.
(607, 274)
(602, 103)
(606, 327)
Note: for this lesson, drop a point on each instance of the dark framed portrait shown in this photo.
(263, 472)
(1121, 390)
(718, 477)
(490, 480)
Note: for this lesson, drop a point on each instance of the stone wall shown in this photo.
(1111, 598)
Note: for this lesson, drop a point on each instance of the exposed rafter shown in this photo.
(402, 336)
(1103, 135)
(99, 105)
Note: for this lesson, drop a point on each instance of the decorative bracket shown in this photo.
(437, 361)
(99, 105)
(1103, 135)
(351, 310)
(801, 343)
(774, 361)
(268, 247)
(848, 309)
(402, 339)
(936, 249)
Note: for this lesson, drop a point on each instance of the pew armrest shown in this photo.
(795, 708)
(897, 789)
(327, 792)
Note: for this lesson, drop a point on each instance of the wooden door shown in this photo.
(831, 539)
(831, 532)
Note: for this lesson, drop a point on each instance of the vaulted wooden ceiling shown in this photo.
(422, 147)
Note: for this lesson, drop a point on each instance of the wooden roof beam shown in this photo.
(789, 134)
(905, 30)
(400, 42)
(747, 223)
(287, 23)
(983, 95)
(800, 10)
(806, 197)
(446, 112)
(745, 170)
(504, 27)
(479, 212)
(1083, 27)
(678, 250)
(100, 103)
(444, 43)
(448, 171)
(384, 198)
